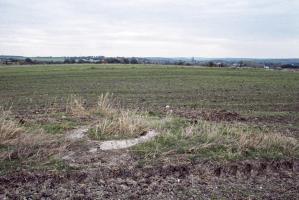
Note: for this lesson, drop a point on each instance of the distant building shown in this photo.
(236, 65)
(219, 64)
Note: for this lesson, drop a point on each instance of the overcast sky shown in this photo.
(203, 28)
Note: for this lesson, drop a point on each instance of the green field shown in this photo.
(227, 132)
(269, 95)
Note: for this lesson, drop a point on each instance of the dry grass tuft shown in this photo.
(32, 147)
(75, 106)
(9, 130)
(219, 141)
(116, 122)
(18, 144)
(125, 123)
(105, 105)
(267, 141)
(240, 139)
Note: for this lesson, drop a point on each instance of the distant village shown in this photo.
(221, 62)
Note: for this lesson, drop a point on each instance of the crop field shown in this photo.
(261, 95)
(148, 131)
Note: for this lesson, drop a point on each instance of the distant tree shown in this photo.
(180, 62)
(243, 64)
(69, 61)
(211, 64)
(66, 61)
(112, 60)
(221, 65)
(134, 61)
(28, 60)
(291, 66)
(81, 61)
(126, 61)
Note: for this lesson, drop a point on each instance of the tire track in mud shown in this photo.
(163, 181)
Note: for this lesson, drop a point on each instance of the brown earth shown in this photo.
(209, 115)
(119, 175)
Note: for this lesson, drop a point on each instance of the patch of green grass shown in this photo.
(57, 128)
(219, 141)
(10, 165)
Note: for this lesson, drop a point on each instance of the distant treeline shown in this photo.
(225, 62)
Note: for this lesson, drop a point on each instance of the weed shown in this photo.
(105, 105)
(220, 141)
(75, 106)
(9, 130)
(120, 125)
(58, 127)
(20, 146)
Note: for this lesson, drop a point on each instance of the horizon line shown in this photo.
(171, 57)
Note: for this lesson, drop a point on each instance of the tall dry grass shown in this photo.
(239, 139)
(74, 106)
(107, 105)
(117, 122)
(18, 144)
(9, 130)
(123, 124)
(221, 141)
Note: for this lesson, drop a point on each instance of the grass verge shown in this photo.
(218, 141)
(21, 148)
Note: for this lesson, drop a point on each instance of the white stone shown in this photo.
(123, 144)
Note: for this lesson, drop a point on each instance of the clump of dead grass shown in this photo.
(106, 105)
(74, 106)
(32, 147)
(268, 141)
(16, 143)
(122, 124)
(117, 122)
(219, 141)
(240, 139)
(9, 130)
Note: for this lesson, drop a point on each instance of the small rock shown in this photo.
(93, 150)
(124, 187)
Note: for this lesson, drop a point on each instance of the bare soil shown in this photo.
(119, 175)
(209, 115)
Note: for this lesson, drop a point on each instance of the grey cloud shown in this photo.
(150, 27)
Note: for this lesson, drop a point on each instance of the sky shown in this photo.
(166, 28)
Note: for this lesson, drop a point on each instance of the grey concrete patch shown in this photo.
(77, 133)
(123, 144)
(80, 133)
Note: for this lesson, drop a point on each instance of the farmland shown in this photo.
(221, 132)
(270, 96)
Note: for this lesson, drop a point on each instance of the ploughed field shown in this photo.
(260, 96)
(74, 132)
